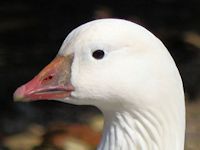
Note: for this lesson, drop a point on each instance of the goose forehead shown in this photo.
(106, 33)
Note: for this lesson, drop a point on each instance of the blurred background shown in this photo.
(31, 33)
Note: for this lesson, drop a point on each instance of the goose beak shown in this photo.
(53, 82)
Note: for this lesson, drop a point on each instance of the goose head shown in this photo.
(125, 71)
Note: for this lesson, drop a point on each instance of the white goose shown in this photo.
(126, 72)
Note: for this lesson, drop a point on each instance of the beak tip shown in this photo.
(17, 98)
(18, 95)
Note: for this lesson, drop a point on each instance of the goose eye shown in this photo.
(98, 54)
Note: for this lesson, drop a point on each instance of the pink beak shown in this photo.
(53, 82)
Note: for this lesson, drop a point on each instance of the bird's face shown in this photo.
(97, 64)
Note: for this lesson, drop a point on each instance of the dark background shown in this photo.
(31, 33)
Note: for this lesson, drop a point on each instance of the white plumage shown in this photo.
(136, 85)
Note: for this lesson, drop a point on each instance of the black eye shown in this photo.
(98, 54)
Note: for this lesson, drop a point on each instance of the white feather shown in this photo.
(136, 85)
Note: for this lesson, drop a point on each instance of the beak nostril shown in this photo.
(48, 78)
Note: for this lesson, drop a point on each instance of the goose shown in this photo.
(125, 71)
